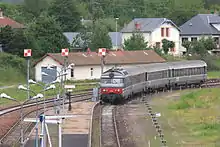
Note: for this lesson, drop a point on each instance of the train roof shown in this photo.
(156, 66)
(187, 64)
(138, 69)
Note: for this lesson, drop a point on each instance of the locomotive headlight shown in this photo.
(104, 90)
(118, 90)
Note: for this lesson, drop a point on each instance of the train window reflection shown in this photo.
(111, 81)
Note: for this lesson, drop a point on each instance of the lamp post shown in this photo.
(21, 87)
(116, 30)
(44, 88)
(39, 95)
(60, 73)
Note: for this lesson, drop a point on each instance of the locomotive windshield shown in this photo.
(112, 81)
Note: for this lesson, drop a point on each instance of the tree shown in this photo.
(208, 43)
(48, 34)
(167, 45)
(66, 14)
(6, 36)
(35, 7)
(135, 42)
(15, 41)
(99, 37)
(186, 44)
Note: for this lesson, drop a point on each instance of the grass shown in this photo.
(22, 95)
(10, 76)
(192, 119)
(214, 74)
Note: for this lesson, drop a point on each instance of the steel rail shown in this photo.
(33, 104)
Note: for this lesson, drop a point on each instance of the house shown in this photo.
(201, 25)
(154, 31)
(5, 21)
(115, 39)
(88, 65)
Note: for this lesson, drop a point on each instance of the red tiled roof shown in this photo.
(113, 57)
(4, 21)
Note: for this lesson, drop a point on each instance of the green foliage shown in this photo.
(158, 51)
(135, 42)
(66, 13)
(48, 35)
(35, 7)
(12, 69)
(99, 37)
(167, 45)
(197, 99)
(200, 47)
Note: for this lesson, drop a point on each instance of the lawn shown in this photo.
(22, 95)
(214, 74)
(190, 118)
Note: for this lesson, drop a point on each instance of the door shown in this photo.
(52, 74)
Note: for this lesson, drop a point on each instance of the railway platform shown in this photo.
(75, 130)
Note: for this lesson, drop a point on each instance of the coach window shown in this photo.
(91, 72)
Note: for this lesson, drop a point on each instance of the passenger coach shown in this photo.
(118, 84)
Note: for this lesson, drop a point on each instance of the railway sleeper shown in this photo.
(157, 126)
(154, 120)
(155, 123)
(161, 135)
(164, 141)
(159, 130)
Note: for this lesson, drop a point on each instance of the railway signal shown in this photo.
(28, 54)
(102, 53)
(65, 52)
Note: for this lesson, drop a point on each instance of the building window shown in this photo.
(162, 32)
(167, 32)
(216, 39)
(194, 39)
(184, 39)
(91, 72)
(157, 44)
(72, 73)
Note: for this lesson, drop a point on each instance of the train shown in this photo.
(121, 83)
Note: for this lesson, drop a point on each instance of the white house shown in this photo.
(154, 31)
(201, 25)
(88, 66)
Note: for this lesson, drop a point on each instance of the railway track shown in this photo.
(109, 131)
(12, 136)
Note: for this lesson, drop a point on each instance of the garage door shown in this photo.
(52, 73)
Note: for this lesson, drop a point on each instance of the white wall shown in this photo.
(47, 61)
(155, 36)
(80, 72)
(174, 35)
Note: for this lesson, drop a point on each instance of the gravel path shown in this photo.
(140, 126)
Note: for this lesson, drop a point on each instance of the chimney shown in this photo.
(137, 26)
(1, 13)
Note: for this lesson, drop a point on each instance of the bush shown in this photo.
(12, 69)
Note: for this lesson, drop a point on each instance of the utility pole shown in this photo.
(102, 53)
(102, 64)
